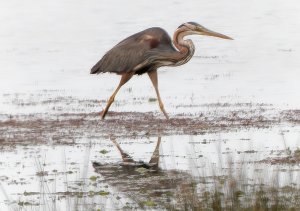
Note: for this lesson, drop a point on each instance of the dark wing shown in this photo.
(130, 53)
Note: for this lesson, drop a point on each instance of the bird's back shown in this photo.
(128, 54)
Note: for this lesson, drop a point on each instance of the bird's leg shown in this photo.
(124, 79)
(153, 78)
(155, 156)
(125, 156)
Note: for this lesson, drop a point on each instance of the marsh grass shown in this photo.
(243, 188)
(231, 192)
(228, 192)
(232, 186)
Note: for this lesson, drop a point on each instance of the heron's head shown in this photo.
(195, 28)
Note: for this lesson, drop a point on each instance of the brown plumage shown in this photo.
(134, 50)
(148, 50)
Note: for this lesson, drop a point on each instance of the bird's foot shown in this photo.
(172, 122)
(165, 113)
(102, 114)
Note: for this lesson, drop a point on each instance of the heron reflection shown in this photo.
(143, 181)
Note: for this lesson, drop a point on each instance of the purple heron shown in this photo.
(146, 51)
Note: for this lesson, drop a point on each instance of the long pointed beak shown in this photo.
(208, 32)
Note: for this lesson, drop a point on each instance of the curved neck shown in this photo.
(186, 48)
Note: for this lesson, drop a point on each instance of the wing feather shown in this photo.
(131, 53)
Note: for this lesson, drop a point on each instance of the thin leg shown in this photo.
(125, 156)
(153, 78)
(124, 79)
(155, 156)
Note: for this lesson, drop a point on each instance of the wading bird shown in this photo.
(146, 51)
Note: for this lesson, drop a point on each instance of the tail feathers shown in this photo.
(97, 68)
(94, 70)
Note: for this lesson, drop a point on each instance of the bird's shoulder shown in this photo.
(132, 52)
(148, 38)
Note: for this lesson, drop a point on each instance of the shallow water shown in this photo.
(38, 174)
(48, 48)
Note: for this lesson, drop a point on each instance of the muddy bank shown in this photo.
(71, 127)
